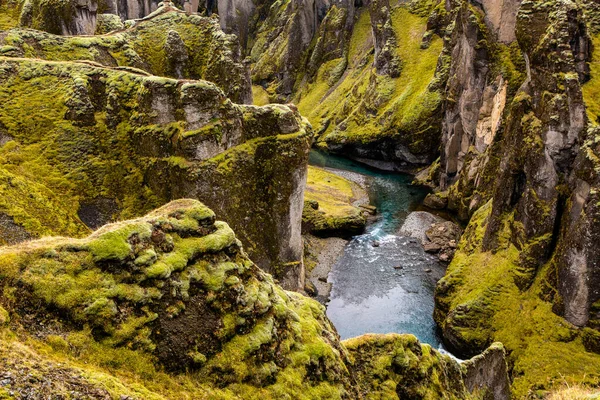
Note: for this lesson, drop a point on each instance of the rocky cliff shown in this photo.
(514, 139)
(108, 143)
(505, 93)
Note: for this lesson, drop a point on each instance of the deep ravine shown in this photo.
(383, 282)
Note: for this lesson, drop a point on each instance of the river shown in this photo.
(388, 288)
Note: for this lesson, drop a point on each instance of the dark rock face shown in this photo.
(466, 86)
(518, 161)
(282, 49)
(97, 212)
(487, 374)
(74, 17)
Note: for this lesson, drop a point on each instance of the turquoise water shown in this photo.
(370, 293)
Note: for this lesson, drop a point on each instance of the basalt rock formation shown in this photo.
(516, 137)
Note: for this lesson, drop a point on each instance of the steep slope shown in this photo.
(518, 159)
(169, 306)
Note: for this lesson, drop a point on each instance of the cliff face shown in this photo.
(515, 141)
(170, 305)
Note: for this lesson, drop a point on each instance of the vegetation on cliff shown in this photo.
(328, 205)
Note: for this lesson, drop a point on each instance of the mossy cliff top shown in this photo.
(169, 306)
(329, 205)
(91, 143)
(168, 43)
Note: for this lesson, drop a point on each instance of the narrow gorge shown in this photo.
(300, 199)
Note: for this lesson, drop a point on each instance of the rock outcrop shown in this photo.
(169, 304)
(141, 141)
(168, 43)
(71, 17)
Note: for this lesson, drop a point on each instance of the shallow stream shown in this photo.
(388, 288)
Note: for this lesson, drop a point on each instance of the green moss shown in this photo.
(211, 55)
(9, 15)
(481, 289)
(591, 89)
(4, 316)
(397, 366)
(357, 101)
(329, 204)
(260, 95)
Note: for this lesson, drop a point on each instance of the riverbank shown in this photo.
(342, 210)
(380, 281)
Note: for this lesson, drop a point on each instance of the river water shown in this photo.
(388, 288)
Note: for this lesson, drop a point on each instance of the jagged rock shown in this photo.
(71, 17)
(487, 374)
(386, 368)
(386, 59)
(177, 54)
(436, 201)
(501, 16)
(366, 114)
(281, 43)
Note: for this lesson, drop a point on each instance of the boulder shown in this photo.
(417, 223)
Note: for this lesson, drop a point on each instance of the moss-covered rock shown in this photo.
(167, 43)
(82, 134)
(329, 208)
(375, 113)
(169, 306)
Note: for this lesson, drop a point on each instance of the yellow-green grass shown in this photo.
(260, 96)
(591, 90)
(544, 349)
(333, 193)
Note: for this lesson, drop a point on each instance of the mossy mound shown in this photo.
(328, 205)
(79, 137)
(398, 366)
(168, 43)
(169, 306)
(175, 291)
